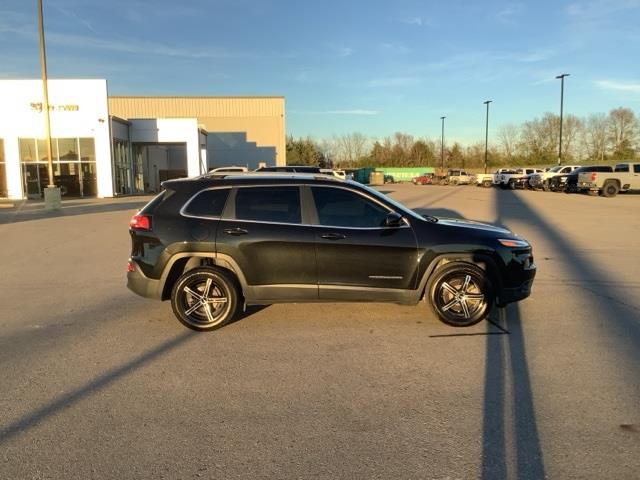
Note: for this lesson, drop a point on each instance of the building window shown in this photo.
(74, 166)
(3, 171)
(122, 167)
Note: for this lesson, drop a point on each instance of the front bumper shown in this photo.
(510, 295)
(139, 283)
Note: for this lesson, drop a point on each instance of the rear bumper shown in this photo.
(139, 283)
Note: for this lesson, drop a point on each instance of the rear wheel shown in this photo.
(486, 183)
(460, 294)
(512, 184)
(610, 189)
(205, 299)
(454, 182)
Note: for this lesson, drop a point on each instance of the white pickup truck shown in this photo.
(542, 180)
(487, 179)
(515, 178)
(625, 177)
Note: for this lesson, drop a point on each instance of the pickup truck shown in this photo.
(458, 177)
(542, 180)
(487, 179)
(625, 177)
(516, 178)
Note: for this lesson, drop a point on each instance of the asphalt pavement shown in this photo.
(96, 382)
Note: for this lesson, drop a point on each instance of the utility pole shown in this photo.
(486, 136)
(442, 146)
(561, 77)
(52, 198)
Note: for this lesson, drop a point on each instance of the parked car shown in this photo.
(514, 178)
(230, 169)
(571, 184)
(290, 169)
(541, 180)
(487, 179)
(214, 244)
(424, 179)
(334, 173)
(625, 177)
(458, 177)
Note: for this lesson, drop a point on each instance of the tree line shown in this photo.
(598, 138)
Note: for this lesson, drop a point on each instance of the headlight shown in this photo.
(507, 242)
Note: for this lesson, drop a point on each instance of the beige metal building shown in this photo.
(105, 146)
(237, 127)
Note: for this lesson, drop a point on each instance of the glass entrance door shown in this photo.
(34, 175)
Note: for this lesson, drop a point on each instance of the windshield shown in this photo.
(398, 205)
(555, 169)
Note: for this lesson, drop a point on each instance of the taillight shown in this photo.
(130, 267)
(594, 175)
(140, 222)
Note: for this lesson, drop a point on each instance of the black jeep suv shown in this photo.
(214, 244)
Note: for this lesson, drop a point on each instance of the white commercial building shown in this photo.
(97, 151)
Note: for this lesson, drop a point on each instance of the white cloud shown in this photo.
(618, 86)
(596, 9)
(342, 52)
(337, 112)
(507, 14)
(418, 21)
(395, 48)
(394, 82)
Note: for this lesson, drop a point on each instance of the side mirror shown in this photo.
(394, 219)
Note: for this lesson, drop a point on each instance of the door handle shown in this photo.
(333, 236)
(235, 231)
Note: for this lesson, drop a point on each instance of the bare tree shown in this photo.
(509, 137)
(571, 132)
(351, 147)
(623, 132)
(596, 137)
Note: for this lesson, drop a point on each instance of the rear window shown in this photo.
(622, 167)
(208, 203)
(269, 204)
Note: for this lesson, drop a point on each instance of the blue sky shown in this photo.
(374, 67)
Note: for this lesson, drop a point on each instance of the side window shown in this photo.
(621, 167)
(341, 208)
(269, 204)
(636, 168)
(208, 203)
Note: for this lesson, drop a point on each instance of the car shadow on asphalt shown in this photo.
(30, 420)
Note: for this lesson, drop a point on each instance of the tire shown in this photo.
(450, 299)
(610, 189)
(454, 182)
(486, 183)
(186, 299)
(512, 185)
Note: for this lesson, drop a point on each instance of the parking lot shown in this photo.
(100, 383)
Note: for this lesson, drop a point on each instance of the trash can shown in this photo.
(376, 178)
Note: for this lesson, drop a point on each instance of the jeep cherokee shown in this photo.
(216, 243)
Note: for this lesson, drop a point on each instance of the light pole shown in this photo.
(561, 77)
(486, 136)
(442, 147)
(52, 198)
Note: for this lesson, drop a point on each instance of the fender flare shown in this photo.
(482, 260)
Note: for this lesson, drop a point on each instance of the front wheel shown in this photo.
(486, 183)
(205, 299)
(460, 294)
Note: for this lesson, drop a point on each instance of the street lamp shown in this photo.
(52, 199)
(561, 77)
(486, 136)
(442, 146)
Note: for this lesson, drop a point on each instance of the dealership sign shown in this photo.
(37, 106)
